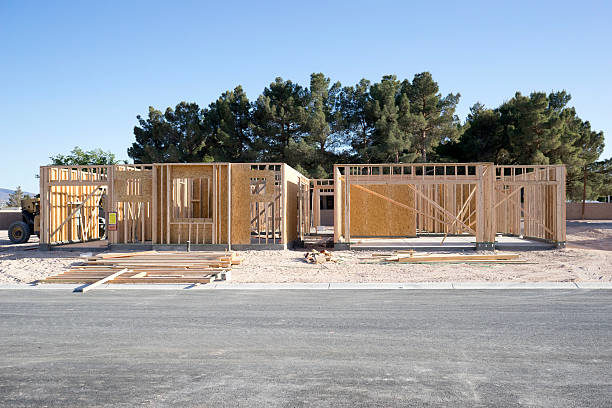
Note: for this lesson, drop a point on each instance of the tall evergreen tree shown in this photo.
(323, 126)
(481, 139)
(531, 131)
(278, 118)
(357, 118)
(14, 198)
(391, 138)
(176, 136)
(539, 129)
(434, 118)
(587, 180)
(228, 121)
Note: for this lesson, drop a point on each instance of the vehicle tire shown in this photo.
(19, 232)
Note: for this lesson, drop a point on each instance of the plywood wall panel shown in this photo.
(241, 204)
(373, 216)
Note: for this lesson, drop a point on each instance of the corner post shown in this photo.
(485, 203)
(560, 207)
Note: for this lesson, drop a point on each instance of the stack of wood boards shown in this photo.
(413, 257)
(150, 267)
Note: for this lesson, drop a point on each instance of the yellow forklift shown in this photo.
(20, 231)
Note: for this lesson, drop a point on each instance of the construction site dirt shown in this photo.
(587, 257)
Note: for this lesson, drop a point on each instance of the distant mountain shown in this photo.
(4, 195)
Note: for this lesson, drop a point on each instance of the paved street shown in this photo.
(335, 348)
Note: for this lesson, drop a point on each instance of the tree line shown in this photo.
(310, 128)
(313, 127)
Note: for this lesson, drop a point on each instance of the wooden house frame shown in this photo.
(478, 199)
(199, 205)
(270, 205)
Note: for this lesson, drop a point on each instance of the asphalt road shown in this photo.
(339, 348)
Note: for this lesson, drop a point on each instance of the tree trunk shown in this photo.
(423, 147)
(584, 183)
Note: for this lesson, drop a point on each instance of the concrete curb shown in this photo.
(330, 285)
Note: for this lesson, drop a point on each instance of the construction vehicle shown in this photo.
(20, 231)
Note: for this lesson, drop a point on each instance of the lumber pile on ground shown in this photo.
(150, 267)
(316, 257)
(413, 257)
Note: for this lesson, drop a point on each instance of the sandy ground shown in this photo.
(24, 263)
(588, 257)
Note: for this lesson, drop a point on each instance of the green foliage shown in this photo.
(14, 198)
(312, 128)
(538, 129)
(82, 157)
(227, 125)
(433, 116)
(602, 170)
(388, 141)
(279, 117)
(176, 136)
(357, 119)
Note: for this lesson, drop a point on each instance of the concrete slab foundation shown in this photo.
(432, 243)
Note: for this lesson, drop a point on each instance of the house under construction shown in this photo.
(272, 206)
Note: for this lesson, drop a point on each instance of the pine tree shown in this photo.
(176, 136)
(323, 125)
(14, 198)
(228, 121)
(387, 140)
(357, 119)
(434, 118)
(278, 118)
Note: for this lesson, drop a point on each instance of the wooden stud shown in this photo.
(101, 281)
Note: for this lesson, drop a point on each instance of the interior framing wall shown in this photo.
(530, 201)
(318, 188)
(296, 198)
(70, 200)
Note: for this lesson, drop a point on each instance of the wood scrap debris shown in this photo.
(412, 257)
(319, 257)
(150, 267)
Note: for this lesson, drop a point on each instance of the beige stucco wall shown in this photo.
(9, 217)
(592, 211)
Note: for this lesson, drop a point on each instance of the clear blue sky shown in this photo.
(75, 73)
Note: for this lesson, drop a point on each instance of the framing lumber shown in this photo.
(219, 203)
(69, 217)
(479, 199)
(101, 281)
(463, 207)
(453, 258)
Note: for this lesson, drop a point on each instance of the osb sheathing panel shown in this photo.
(292, 179)
(192, 171)
(223, 203)
(241, 204)
(373, 216)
